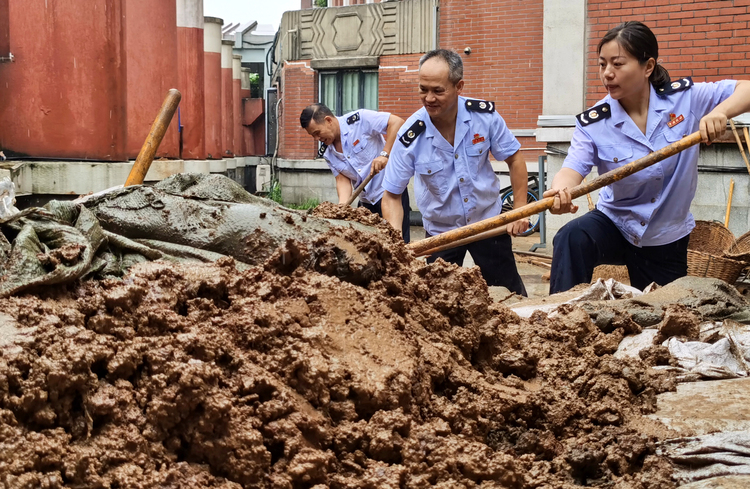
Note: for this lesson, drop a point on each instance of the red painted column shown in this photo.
(190, 78)
(248, 147)
(4, 28)
(151, 62)
(64, 95)
(227, 92)
(237, 104)
(212, 85)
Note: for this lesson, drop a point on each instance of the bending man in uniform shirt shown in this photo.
(644, 220)
(353, 146)
(445, 145)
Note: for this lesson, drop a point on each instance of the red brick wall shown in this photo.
(506, 53)
(397, 85)
(299, 83)
(397, 93)
(708, 40)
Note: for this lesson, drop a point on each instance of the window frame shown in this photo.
(340, 87)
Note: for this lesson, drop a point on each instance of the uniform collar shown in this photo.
(463, 117)
(343, 128)
(621, 119)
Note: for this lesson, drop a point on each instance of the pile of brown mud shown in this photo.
(324, 367)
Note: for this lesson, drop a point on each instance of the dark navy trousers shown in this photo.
(593, 239)
(377, 209)
(493, 256)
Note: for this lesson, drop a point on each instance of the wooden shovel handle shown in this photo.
(359, 189)
(422, 246)
(739, 143)
(158, 129)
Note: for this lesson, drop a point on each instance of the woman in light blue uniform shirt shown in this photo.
(644, 220)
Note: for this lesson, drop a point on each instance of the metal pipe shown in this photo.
(542, 173)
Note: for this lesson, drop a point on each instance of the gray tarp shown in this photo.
(708, 456)
(185, 218)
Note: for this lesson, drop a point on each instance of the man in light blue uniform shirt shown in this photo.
(446, 146)
(355, 145)
(644, 220)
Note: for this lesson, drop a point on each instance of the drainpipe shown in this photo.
(280, 97)
(435, 26)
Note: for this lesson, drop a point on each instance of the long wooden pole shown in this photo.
(739, 143)
(359, 189)
(158, 129)
(472, 230)
(477, 237)
(729, 203)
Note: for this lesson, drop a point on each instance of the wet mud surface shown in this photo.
(342, 363)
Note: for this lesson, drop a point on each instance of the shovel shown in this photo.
(496, 225)
(359, 189)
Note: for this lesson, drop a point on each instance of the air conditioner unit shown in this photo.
(263, 178)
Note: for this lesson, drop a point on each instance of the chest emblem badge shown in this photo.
(675, 119)
(355, 142)
(477, 139)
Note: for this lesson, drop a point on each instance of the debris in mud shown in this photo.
(341, 362)
(330, 210)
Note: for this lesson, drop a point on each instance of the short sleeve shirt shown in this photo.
(361, 142)
(454, 184)
(650, 207)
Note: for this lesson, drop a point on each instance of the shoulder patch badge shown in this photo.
(675, 86)
(322, 150)
(352, 118)
(594, 114)
(411, 134)
(480, 106)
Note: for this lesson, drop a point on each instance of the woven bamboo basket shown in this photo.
(711, 237)
(702, 264)
(617, 272)
(708, 244)
(740, 250)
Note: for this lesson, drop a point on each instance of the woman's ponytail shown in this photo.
(660, 76)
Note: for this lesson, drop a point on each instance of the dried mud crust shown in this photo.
(345, 364)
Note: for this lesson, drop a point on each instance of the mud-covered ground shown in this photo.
(343, 364)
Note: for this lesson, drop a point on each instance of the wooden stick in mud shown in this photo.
(473, 230)
(158, 129)
(359, 189)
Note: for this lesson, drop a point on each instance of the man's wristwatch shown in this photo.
(384, 154)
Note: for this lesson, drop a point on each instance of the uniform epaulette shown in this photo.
(480, 106)
(410, 135)
(594, 114)
(322, 150)
(675, 86)
(352, 118)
